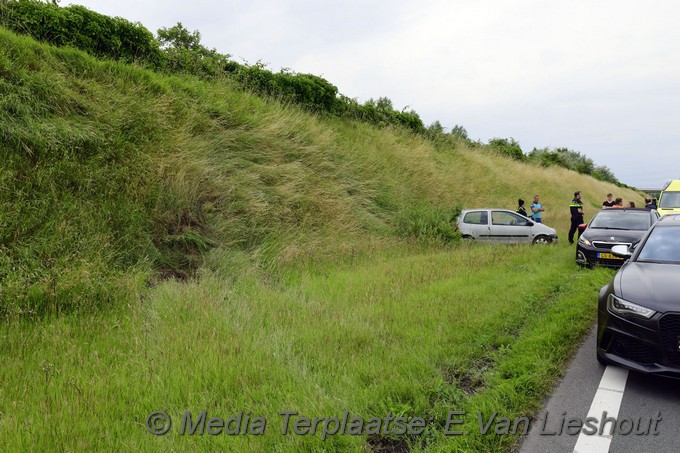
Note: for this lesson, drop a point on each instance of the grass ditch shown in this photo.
(385, 335)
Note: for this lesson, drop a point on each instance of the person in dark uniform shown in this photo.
(576, 210)
(521, 209)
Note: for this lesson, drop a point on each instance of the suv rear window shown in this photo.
(476, 218)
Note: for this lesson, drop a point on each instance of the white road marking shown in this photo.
(607, 399)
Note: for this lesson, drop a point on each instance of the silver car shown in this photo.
(503, 225)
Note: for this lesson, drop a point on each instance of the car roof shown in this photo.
(673, 185)
(625, 210)
(669, 220)
(487, 209)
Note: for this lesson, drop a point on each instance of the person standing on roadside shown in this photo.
(521, 209)
(609, 202)
(536, 209)
(648, 203)
(576, 211)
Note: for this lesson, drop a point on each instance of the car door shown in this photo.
(509, 227)
(477, 223)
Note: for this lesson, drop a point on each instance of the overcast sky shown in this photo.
(601, 77)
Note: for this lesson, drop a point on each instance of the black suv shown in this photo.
(610, 227)
(639, 310)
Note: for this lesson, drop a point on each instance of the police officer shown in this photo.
(576, 209)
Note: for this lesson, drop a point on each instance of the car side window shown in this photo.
(507, 218)
(476, 218)
(520, 219)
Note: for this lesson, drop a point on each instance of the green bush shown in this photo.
(381, 113)
(509, 147)
(572, 160)
(307, 90)
(177, 50)
(428, 222)
(79, 27)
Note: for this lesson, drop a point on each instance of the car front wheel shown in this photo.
(581, 260)
(542, 239)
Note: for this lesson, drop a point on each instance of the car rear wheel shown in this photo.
(542, 239)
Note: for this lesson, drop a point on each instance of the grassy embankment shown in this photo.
(309, 296)
(480, 329)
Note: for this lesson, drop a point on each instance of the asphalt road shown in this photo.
(644, 411)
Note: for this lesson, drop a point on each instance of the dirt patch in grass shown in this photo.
(471, 380)
(380, 444)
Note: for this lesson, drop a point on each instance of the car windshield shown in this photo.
(670, 200)
(663, 244)
(621, 220)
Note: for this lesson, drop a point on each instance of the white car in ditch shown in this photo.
(504, 226)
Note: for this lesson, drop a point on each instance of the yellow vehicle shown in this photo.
(669, 200)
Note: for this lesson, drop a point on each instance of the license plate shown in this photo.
(608, 256)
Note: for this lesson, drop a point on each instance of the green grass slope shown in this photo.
(168, 244)
(478, 330)
(112, 176)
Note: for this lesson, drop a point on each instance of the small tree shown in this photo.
(603, 173)
(178, 37)
(385, 104)
(459, 132)
(185, 53)
(509, 147)
(435, 128)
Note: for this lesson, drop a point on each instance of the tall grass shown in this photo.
(173, 244)
(112, 173)
(421, 335)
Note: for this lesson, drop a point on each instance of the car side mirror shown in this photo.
(582, 226)
(622, 251)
